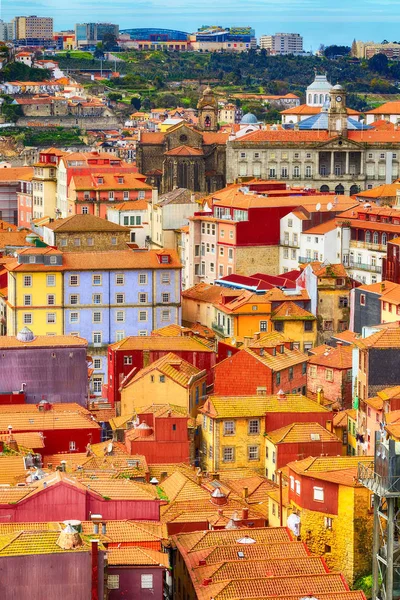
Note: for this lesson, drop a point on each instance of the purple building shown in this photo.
(44, 367)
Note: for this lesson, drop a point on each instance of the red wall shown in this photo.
(254, 231)
(57, 440)
(11, 398)
(63, 501)
(225, 350)
(287, 453)
(305, 499)
(117, 370)
(169, 445)
(130, 583)
(275, 420)
(338, 388)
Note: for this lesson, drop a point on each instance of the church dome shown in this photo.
(338, 88)
(320, 83)
(25, 335)
(249, 119)
(207, 99)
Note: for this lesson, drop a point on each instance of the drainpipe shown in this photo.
(95, 570)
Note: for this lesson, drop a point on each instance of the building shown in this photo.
(44, 183)
(89, 34)
(273, 361)
(318, 92)
(6, 31)
(373, 304)
(171, 213)
(344, 423)
(217, 39)
(328, 151)
(234, 428)
(282, 43)
(83, 232)
(230, 114)
(296, 442)
(12, 180)
(168, 380)
(137, 215)
(391, 262)
(33, 31)
(369, 49)
(330, 369)
(335, 512)
(53, 368)
(138, 352)
(389, 111)
(300, 112)
(25, 202)
(198, 303)
(100, 296)
(184, 156)
(320, 243)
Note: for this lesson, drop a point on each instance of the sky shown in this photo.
(318, 21)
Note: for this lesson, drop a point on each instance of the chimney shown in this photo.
(245, 514)
(163, 476)
(245, 492)
(383, 286)
(63, 466)
(220, 512)
(207, 581)
(96, 520)
(320, 396)
(202, 562)
(257, 335)
(247, 340)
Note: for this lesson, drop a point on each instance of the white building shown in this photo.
(174, 209)
(291, 226)
(317, 93)
(321, 243)
(135, 214)
(282, 43)
(389, 111)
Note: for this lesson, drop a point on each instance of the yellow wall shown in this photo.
(295, 331)
(240, 440)
(270, 465)
(351, 436)
(39, 290)
(388, 316)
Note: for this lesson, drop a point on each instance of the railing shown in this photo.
(383, 486)
(289, 244)
(368, 246)
(365, 267)
(306, 259)
(218, 328)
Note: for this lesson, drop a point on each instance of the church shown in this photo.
(184, 156)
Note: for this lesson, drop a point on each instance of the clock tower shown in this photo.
(337, 113)
(207, 111)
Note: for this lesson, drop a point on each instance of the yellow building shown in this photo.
(344, 424)
(296, 323)
(234, 427)
(335, 511)
(169, 380)
(35, 288)
(276, 503)
(390, 302)
(44, 188)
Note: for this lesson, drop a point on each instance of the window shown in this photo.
(308, 325)
(74, 299)
(127, 360)
(165, 278)
(74, 317)
(165, 298)
(298, 487)
(318, 494)
(229, 427)
(114, 241)
(97, 384)
(120, 316)
(228, 454)
(263, 326)
(253, 453)
(85, 210)
(143, 315)
(328, 521)
(28, 318)
(53, 260)
(96, 298)
(73, 280)
(72, 446)
(51, 299)
(119, 298)
(96, 280)
(97, 337)
(147, 582)
(142, 298)
(32, 259)
(328, 326)
(113, 582)
(162, 378)
(278, 326)
(77, 241)
(120, 335)
(362, 299)
(290, 373)
(119, 279)
(329, 374)
(27, 280)
(278, 378)
(165, 315)
(97, 317)
(28, 300)
(254, 426)
(97, 363)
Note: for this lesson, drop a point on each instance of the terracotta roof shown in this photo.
(12, 469)
(289, 311)
(200, 540)
(277, 362)
(390, 392)
(46, 420)
(386, 338)
(36, 542)
(249, 406)
(135, 556)
(13, 239)
(256, 485)
(337, 469)
(392, 296)
(304, 109)
(30, 439)
(378, 288)
(109, 182)
(376, 402)
(15, 174)
(58, 407)
(82, 223)
(179, 487)
(322, 228)
(130, 205)
(340, 357)
(121, 489)
(184, 151)
(301, 433)
(386, 190)
(269, 340)
(161, 343)
(173, 367)
(44, 341)
(388, 108)
(205, 292)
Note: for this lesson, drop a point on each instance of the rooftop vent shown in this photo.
(246, 540)
(25, 335)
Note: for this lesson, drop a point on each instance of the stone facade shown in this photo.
(257, 259)
(93, 241)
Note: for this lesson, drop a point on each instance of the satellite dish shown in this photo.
(318, 207)
(329, 206)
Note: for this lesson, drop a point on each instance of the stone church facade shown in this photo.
(184, 156)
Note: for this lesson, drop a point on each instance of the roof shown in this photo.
(289, 311)
(388, 108)
(173, 367)
(130, 205)
(337, 469)
(30, 439)
(277, 362)
(184, 151)
(340, 357)
(386, 190)
(43, 341)
(36, 542)
(379, 288)
(386, 338)
(248, 406)
(12, 469)
(304, 109)
(45, 420)
(14, 239)
(205, 292)
(16, 174)
(340, 419)
(301, 433)
(81, 223)
(135, 556)
(200, 540)
(179, 196)
(322, 228)
(115, 181)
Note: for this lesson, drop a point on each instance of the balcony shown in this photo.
(365, 267)
(368, 246)
(219, 329)
(383, 486)
(306, 259)
(289, 244)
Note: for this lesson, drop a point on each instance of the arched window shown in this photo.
(324, 189)
(308, 171)
(368, 237)
(384, 239)
(326, 97)
(354, 190)
(296, 171)
(315, 98)
(339, 189)
(375, 238)
(310, 99)
(321, 98)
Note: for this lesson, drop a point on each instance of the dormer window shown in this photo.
(120, 180)
(32, 259)
(164, 258)
(100, 180)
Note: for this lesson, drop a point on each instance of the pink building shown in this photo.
(24, 198)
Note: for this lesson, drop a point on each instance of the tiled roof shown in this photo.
(36, 542)
(287, 550)
(130, 205)
(82, 223)
(290, 310)
(386, 190)
(58, 407)
(286, 135)
(204, 292)
(179, 196)
(304, 109)
(15, 174)
(375, 402)
(386, 338)
(137, 557)
(45, 420)
(322, 228)
(184, 151)
(301, 433)
(257, 406)
(13, 239)
(392, 296)
(393, 430)
(30, 439)
(269, 340)
(389, 392)
(256, 485)
(388, 108)
(12, 469)
(330, 270)
(173, 367)
(340, 419)
(340, 357)
(200, 540)
(110, 182)
(179, 487)
(161, 344)
(43, 341)
(278, 362)
(337, 469)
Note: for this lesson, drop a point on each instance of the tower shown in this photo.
(337, 113)
(208, 111)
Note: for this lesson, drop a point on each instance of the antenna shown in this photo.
(318, 206)
(329, 206)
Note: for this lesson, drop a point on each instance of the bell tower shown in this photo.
(337, 113)
(208, 111)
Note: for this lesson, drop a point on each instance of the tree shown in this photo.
(114, 96)
(99, 53)
(354, 48)
(158, 82)
(333, 51)
(146, 104)
(378, 63)
(109, 41)
(136, 102)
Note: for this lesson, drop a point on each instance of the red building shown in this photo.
(273, 363)
(62, 496)
(391, 263)
(139, 352)
(330, 370)
(64, 430)
(163, 434)
(25, 201)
